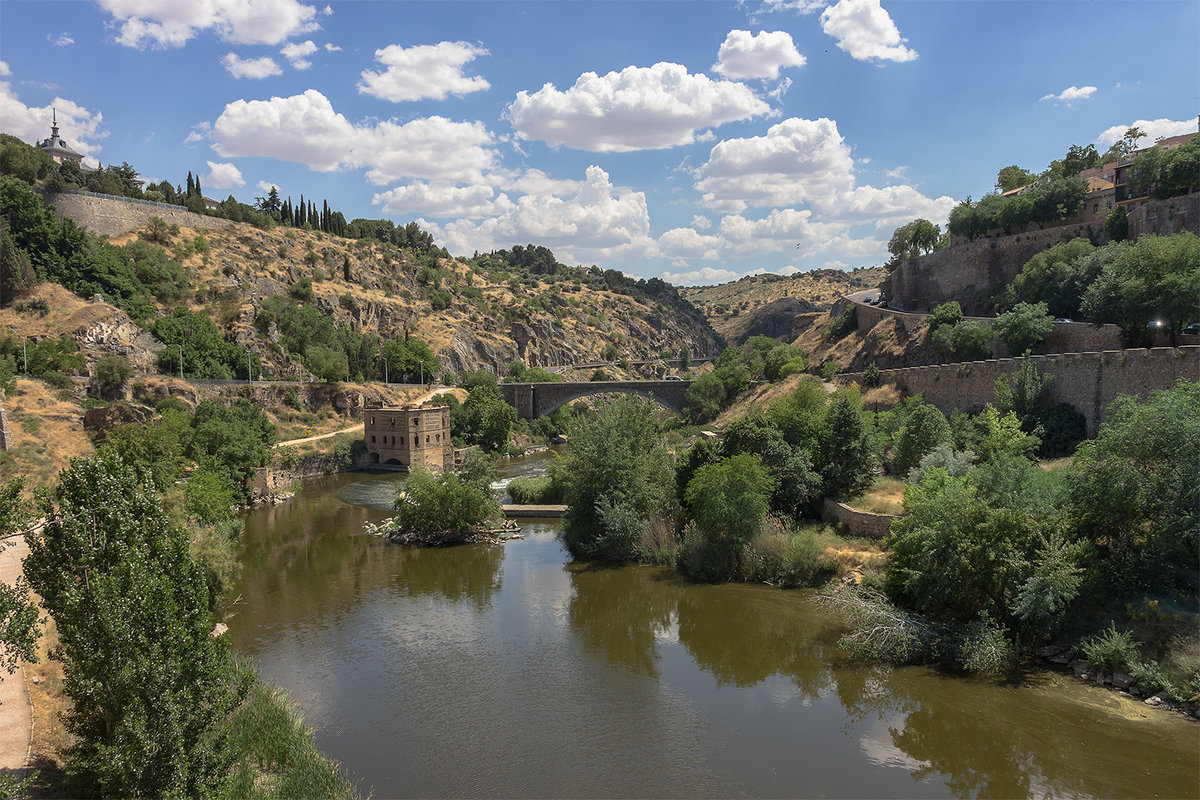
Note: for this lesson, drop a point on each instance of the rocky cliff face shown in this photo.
(473, 319)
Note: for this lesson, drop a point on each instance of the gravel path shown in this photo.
(16, 716)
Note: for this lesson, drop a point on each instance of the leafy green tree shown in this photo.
(1154, 277)
(1059, 199)
(704, 398)
(1013, 177)
(1025, 327)
(966, 341)
(617, 459)
(798, 484)
(18, 615)
(16, 273)
(1133, 491)
(148, 681)
(1025, 393)
(327, 363)
(1058, 277)
(1124, 147)
(233, 440)
(925, 429)
(949, 313)
(1078, 159)
(1116, 224)
(728, 500)
(847, 457)
(685, 358)
(912, 239)
(1003, 436)
(112, 372)
(206, 354)
(1166, 173)
(427, 504)
(953, 557)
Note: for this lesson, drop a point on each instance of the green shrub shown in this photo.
(535, 491)
(871, 376)
(829, 369)
(37, 305)
(1109, 651)
(784, 557)
(946, 314)
(58, 380)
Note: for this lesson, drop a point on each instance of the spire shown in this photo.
(54, 123)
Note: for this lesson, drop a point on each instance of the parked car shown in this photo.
(872, 300)
(1064, 319)
(1158, 325)
(1192, 330)
(673, 378)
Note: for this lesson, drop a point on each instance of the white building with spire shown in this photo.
(57, 148)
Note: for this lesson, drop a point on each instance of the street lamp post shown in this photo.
(385, 371)
(24, 355)
(249, 370)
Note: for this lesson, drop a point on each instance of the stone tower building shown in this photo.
(408, 436)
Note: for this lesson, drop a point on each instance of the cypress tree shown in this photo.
(191, 185)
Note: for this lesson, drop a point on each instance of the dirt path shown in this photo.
(16, 716)
(358, 425)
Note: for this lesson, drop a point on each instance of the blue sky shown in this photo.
(696, 141)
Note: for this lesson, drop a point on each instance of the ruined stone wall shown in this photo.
(6, 439)
(106, 215)
(859, 523)
(1088, 381)
(972, 272)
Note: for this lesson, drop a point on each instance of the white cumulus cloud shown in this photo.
(799, 6)
(866, 31)
(423, 71)
(1071, 94)
(77, 125)
(171, 23)
(306, 129)
(266, 186)
(1153, 128)
(805, 162)
(759, 55)
(638, 108)
(588, 221)
(443, 201)
(239, 67)
(796, 161)
(297, 53)
(223, 176)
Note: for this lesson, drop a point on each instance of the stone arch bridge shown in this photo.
(533, 400)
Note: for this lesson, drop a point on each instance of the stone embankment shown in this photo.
(1063, 656)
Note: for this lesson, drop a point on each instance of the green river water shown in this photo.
(508, 671)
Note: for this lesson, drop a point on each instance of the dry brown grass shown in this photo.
(47, 433)
(885, 496)
(50, 738)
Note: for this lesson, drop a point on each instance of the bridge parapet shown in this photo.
(533, 400)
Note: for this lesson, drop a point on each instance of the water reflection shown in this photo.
(621, 612)
(546, 678)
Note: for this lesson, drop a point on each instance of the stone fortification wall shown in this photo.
(1088, 381)
(106, 215)
(972, 272)
(1067, 337)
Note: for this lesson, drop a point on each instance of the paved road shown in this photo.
(16, 716)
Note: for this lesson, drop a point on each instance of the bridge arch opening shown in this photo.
(649, 395)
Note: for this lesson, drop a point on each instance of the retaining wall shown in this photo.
(1088, 381)
(107, 215)
(1067, 337)
(859, 523)
(971, 272)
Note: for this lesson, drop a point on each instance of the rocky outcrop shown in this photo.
(776, 320)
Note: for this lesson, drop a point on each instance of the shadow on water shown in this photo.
(545, 678)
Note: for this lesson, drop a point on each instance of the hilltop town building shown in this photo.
(57, 148)
(408, 436)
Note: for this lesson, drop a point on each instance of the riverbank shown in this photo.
(516, 659)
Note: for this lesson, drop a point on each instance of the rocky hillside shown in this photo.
(769, 304)
(471, 317)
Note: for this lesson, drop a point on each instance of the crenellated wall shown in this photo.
(106, 215)
(972, 272)
(1088, 381)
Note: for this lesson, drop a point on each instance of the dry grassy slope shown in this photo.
(735, 309)
(542, 322)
